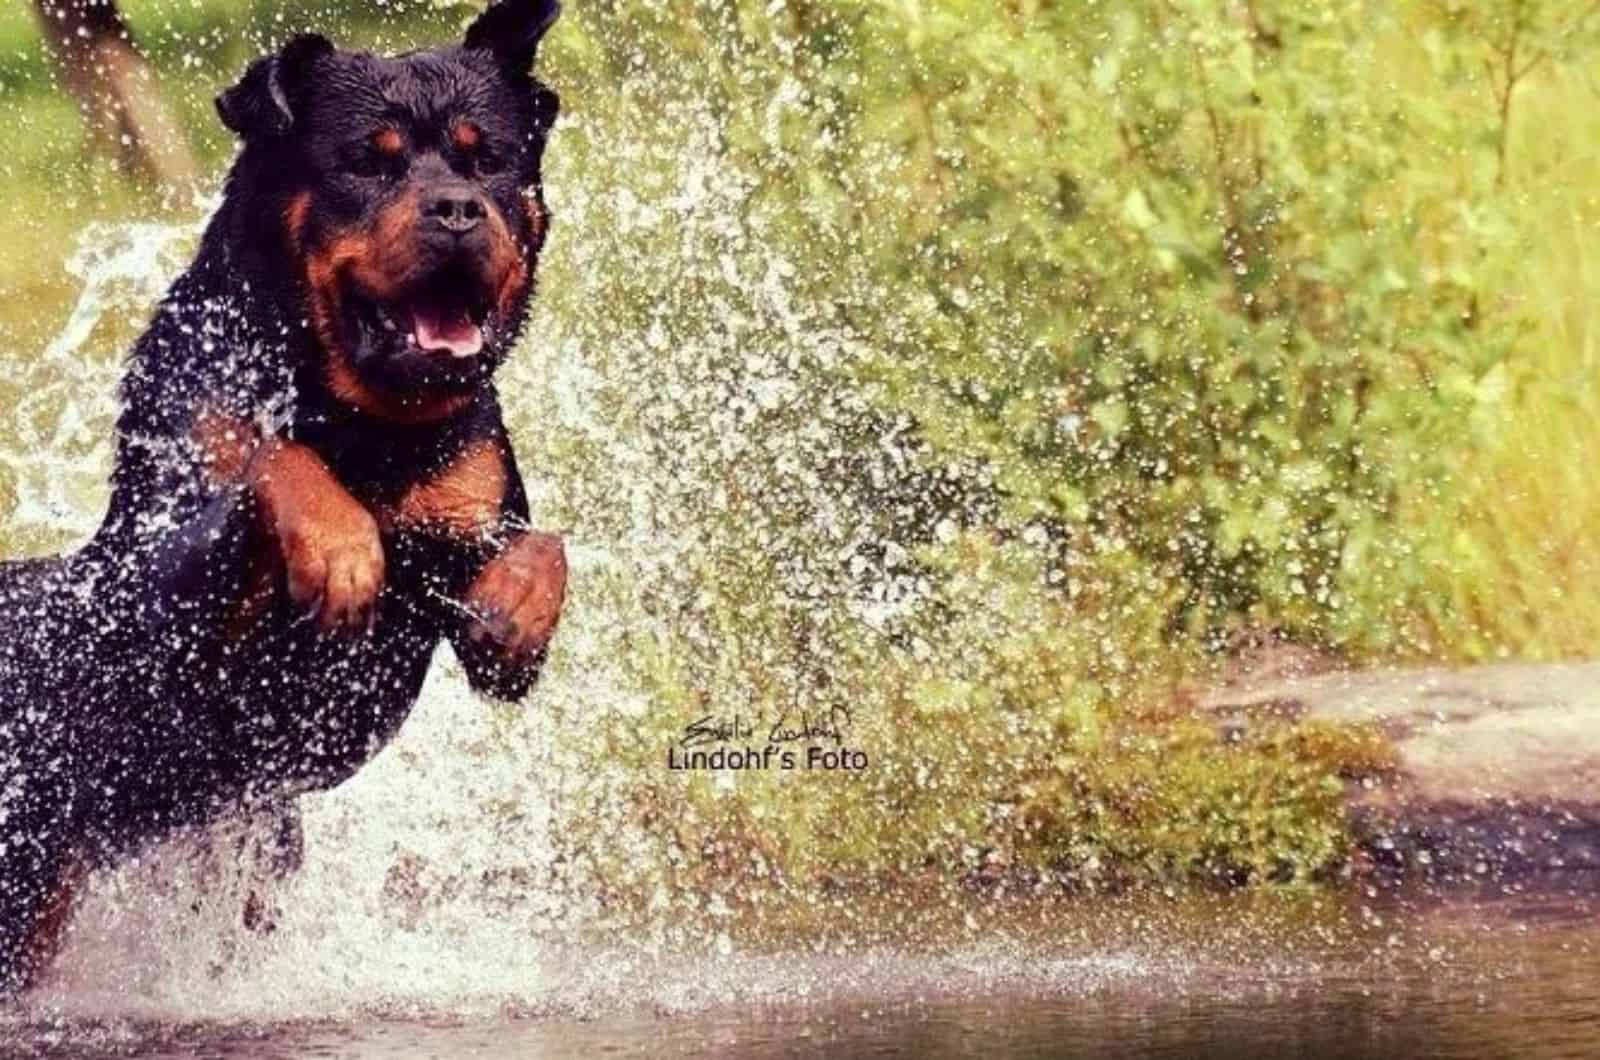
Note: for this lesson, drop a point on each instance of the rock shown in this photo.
(1499, 766)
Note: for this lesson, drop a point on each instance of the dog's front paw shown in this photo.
(519, 594)
(334, 564)
(332, 555)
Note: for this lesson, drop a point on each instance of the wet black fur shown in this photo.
(125, 710)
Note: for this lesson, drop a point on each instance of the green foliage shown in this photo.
(1200, 313)
(1028, 763)
(1193, 289)
(1176, 279)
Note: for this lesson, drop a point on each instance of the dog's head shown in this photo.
(407, 193)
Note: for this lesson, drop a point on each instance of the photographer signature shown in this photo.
(712, 729)
(829, 726)
(789, 728)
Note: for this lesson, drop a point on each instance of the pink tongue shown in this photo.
(437, 330)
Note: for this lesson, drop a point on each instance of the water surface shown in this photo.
(1375, 977)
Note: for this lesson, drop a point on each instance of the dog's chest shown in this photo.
(445, 480)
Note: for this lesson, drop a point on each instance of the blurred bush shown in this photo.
(1189, 319)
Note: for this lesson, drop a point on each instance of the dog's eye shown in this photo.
(364, 166)
(383, 154)
(488, 163)
(367, 163)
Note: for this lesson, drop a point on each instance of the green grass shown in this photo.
(1520, 528)
(1532, 513)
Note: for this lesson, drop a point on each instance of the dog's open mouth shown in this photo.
(445, 327)
(445, 317)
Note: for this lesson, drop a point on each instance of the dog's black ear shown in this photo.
(512, 30)
(263, 102)
(546, 108)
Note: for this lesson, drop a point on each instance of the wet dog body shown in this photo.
(313, 485)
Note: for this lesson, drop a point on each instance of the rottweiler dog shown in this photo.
(313, 486)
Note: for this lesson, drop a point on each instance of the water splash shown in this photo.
(431, 881)
(63, 414)
(369, 921)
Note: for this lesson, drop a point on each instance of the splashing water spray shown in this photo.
(430, 880)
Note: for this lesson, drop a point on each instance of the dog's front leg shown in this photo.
(519, 594)
(508, 581)
(516, 602)
(332, 555)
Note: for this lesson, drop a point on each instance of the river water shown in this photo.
(1370, 977)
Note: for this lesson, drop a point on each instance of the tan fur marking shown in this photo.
(376, 263)
(295, 485)
(506, 262)
(229, 444)
(521, 592)
(380, 262)
(294, 219)
(329, 543)
(465, 497)
(226, 443)
(538, 219)
(346, 385)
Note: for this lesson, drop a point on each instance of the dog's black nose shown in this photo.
(457, 209)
